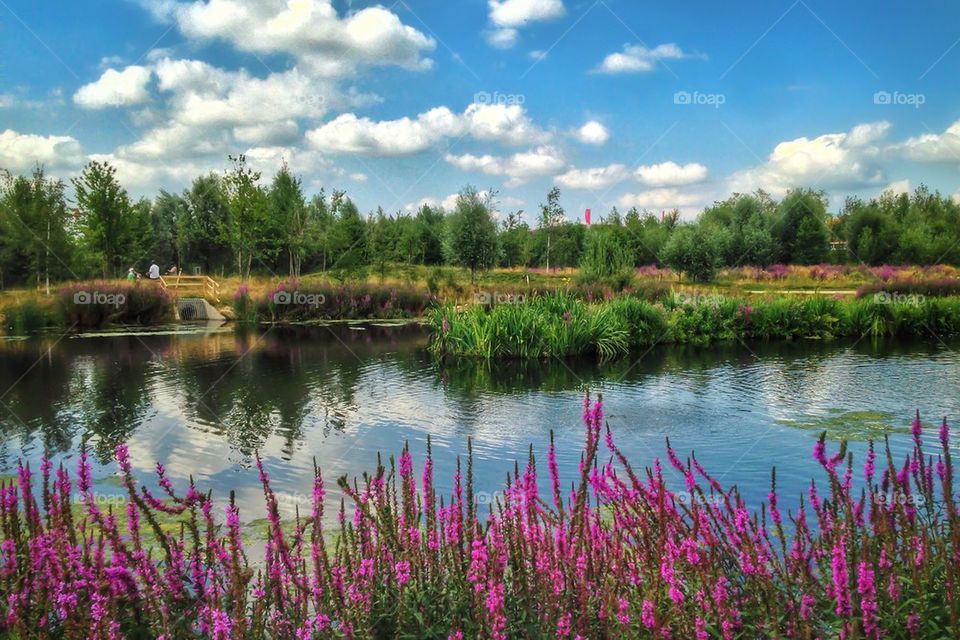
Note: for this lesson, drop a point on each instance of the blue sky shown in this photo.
(620, 103)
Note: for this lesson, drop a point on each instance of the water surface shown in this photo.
(203, 400)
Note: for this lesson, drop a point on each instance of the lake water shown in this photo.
(203, 400)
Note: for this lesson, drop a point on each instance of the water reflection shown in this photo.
(203, 402)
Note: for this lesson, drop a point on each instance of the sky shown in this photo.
(653, 104)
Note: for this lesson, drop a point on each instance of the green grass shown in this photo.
(562, 325)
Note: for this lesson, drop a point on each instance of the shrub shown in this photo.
(623, 554)
(99, 303)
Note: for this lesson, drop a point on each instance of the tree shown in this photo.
(383, 243)
(33, 227)
(106, 217)
(472, 233)
(348, 235)
(289, 213)
(513, 241)
(247, 204)
(806, 209)
(694, 250)
(202, 213)
(605, 254)
(551, 215)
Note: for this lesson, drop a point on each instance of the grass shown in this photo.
(563, 325)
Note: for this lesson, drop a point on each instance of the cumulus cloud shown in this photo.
(310, 30)
(21, 152)
(348, 133)
(507, 16)
(519, 168)
(850, 159)
(671, 174)
(659, 199)
(636, 58)
(116, 89)
(934, 147)
(595, 178)
(593, 132)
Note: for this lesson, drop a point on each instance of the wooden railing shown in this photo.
(182, 286)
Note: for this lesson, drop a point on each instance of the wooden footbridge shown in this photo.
(194, 296)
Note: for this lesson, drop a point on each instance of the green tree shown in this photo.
(551, 215)
(472, 233)
(512, 241)
(289, 213)
(246, 228)
(202, 212)
(694, 250)
(106, 221)
(801, 227)
(34, 241)
(348, 235)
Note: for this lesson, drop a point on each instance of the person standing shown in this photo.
(154, 272)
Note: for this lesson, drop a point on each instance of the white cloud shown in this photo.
(507, 16)
(310, 30)
(831, 160)
(671, 174)
(593, 132)
(538, 55)
(595, 178)
(897, 187)
(659, 199)
(21, 152)
(268, 133)
(358, 177)
(349, 133)
(934, 147)
(501, 38)
(519, 167)
(116, 89)
(449, 203)
(637, 58)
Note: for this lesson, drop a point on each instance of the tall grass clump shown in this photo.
(298, 301)
(623, 553)
(553, 325)
(30, 315)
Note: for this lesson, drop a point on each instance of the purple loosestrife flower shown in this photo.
(647, 616)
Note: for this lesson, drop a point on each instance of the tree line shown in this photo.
(238, 223)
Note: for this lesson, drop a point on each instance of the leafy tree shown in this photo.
(202, 212)
(247, 205)
(473, 233)
(801, 227)
(551, 215)
(383, 242)
(605, 254)
(34, 241)
(289, 213)
(512, 241)
(106, 217)
(348, 235)
(694, 250)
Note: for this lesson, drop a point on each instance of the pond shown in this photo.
(203, 400)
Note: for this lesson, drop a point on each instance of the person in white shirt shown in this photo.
(154, 272)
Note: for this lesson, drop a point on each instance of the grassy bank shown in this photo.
(562, 325)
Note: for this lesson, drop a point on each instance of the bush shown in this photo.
(623, 554)
(302, 302)
(99, 303)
